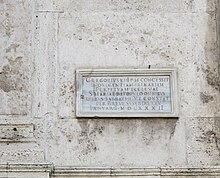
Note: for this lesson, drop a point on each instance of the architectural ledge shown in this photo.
(85, 171)
(47, 170)
(25, 170)
(130, 172)
(25, 167)
(191, 171)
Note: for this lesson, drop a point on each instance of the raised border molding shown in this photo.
(84, 73)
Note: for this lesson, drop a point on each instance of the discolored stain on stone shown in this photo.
(16, 61)
(212, 76)
(12, 47)
(7, 25)
(209, 137)
(5, 84)
(87, 137)
(12, 76)
(205, 98)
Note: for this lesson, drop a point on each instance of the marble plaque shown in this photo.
(126, 93)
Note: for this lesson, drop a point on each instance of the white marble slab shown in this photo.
(126, 93)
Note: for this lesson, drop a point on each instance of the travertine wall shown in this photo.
(44, 42)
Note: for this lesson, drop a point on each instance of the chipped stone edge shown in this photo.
(163, 71)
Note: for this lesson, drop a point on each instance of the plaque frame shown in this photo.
(172, 72)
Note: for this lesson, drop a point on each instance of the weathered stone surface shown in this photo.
(203, 141)
(111, 41)
(100, 38)
(109, 142)
(17, 154)
(185, 6)
(16, 62)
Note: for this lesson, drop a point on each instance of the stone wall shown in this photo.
(44, 42)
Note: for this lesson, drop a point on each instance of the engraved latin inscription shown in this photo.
(126, 94)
